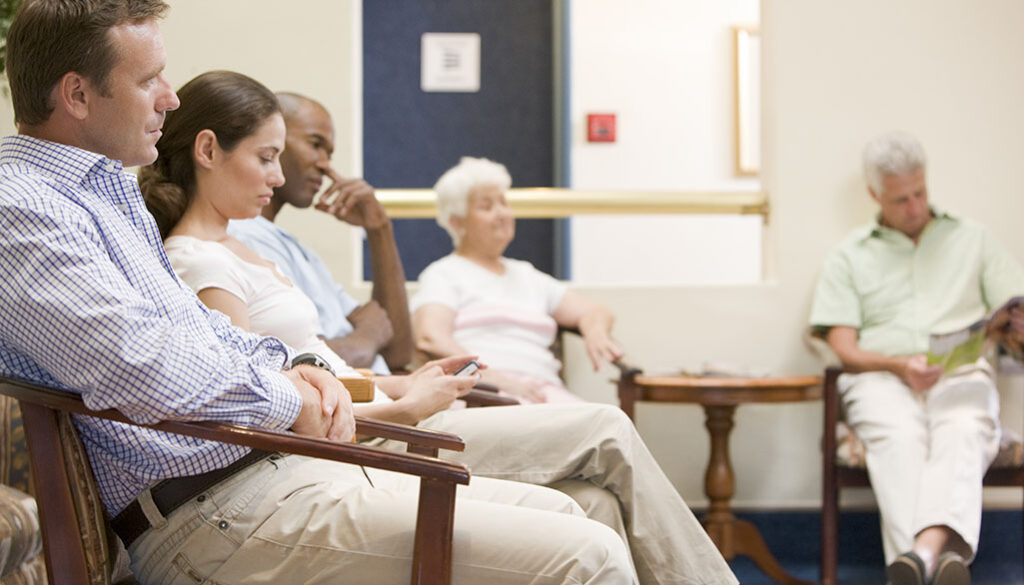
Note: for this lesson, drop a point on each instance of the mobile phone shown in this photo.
(468, 369)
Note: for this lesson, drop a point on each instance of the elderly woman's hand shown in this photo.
(594, 322)
(601, 348)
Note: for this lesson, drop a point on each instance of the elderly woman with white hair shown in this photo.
(477, 301)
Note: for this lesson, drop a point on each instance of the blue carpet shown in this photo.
(795, 540)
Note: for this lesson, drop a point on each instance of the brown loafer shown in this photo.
(951, 570)
(907, 569)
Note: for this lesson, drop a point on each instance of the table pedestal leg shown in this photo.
(731, 535)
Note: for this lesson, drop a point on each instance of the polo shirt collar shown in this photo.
(876, 230)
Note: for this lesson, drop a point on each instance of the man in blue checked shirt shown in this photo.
(90, 304)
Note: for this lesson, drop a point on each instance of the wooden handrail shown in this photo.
(539, 202)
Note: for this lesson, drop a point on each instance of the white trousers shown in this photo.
(593, 453)
(926, 452)
(296, 520)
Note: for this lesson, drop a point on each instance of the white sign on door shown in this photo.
(450, 62)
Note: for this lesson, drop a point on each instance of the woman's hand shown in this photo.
(601, 348)
(595, 324)
(326, 405)
(432, 387)
(450, 364)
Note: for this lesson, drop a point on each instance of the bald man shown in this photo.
(374, 335)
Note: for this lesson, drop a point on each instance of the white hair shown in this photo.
(895, 153)
(455, 184)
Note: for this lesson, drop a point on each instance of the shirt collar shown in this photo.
(66, 163)
(272, 227)
(875, 229)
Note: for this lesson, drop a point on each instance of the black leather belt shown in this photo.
(170, 494)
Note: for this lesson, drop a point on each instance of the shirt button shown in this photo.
(201, 498)
(223, 525)
(110, 166)
(123, 207)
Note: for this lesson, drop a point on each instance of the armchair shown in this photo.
(78, 543)
(842, 467)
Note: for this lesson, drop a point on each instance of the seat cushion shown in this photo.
(850, 449)
(14, 467)
(1011, 451)
(21, 541)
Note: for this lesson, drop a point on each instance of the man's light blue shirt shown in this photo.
(89, 303)
(308, 272)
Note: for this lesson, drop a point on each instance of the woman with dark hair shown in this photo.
(219, 160)
(222, 110)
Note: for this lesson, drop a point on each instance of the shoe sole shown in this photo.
(952, 572)
(904, 571)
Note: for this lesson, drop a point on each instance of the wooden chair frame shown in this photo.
(836, 476)
(63, 550)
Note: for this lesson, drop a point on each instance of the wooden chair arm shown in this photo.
(626, 368)
(269, 440)
(485, 387)
(415, 436)
(487, 396)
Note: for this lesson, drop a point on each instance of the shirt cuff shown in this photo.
(285, 402)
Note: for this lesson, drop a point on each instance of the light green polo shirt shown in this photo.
(896, 294)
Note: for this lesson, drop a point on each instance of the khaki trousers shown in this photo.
(593, 453)
(926, 453)
(295, 520)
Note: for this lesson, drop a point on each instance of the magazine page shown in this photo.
(952, 350)
(959, 348)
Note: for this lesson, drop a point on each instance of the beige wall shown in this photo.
(312, 47)
(834, 75)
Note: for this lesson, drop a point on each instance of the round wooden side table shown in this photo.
(719, 397)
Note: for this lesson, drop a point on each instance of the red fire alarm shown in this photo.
(600, 127)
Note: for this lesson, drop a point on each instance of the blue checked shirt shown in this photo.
(89, 303)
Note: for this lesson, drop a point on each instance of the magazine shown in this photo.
(966, 346)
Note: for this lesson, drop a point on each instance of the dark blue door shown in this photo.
(410, 137)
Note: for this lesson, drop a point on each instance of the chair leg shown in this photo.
(830, 482)
(435, 523)
(830, 534)
(627, 394)
(62, 549)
